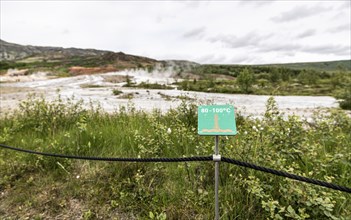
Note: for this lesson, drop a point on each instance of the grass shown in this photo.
(263, 86)
(145, 85)
(116, 92)
(172, 98)
(61, 65)
(129, 95)
(39, 187)
(91, 86)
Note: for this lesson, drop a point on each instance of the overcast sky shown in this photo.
(230, 32)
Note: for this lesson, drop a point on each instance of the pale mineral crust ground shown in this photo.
(97, 89)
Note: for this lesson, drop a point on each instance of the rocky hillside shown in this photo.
(21, 53)
(67, 60)
(11, 51)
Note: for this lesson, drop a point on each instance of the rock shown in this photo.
(16, 72)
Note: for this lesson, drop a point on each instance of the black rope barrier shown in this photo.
(112, 159)
(287, 175)
(190, 159)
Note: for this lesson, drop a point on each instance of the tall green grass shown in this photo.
(39, 187)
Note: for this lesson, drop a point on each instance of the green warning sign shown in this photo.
(216, 120)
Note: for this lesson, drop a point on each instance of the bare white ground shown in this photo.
(95, 89)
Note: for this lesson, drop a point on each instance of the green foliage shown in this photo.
(217, 86)
(146, 85)
(116, 92)
(245, 80)
(345, 103)
(89, 189)
(128, 81)
(275, 76)
(5, 65)
(267, 80)
(308, 77)
(318, 66)
(341, 82)
(48, 117)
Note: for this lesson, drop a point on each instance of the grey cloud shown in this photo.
(250, 39)
(197, 32)
(346, 5)
(240, 59)
(65, 31)
(307, 33)
(340, 50)
(290, 53)
(206, 58)
(161, 18)
(192, 4)
(256, 3)
(340, 28)
(158, 19)
(211, 58)
(299, 12)
(285, 47)
(247, 59)
(219, 59)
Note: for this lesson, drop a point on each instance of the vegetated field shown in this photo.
(39, 187)
(315, 79)
(320, 78)
(325, 78)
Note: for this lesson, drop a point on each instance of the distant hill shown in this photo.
(64, 59)
(320, 66)
(73, 61)
(11, 51)
(28, 53)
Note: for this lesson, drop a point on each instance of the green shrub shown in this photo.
(319, 149)
(116, 92)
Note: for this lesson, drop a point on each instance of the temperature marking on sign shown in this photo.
(216, 110)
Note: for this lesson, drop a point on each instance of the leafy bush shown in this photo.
(48, 117)
(319, 149)
(346, 95)
(116, 92)
(245, 80)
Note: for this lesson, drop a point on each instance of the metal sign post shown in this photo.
(216, 120)
(216, 178)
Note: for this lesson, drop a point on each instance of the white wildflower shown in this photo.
(77, 176)
(169, 131)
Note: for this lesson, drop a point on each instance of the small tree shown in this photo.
(275, 75)
(308, 77)
(128, 81)
(345, 95)
(245, 80)
(346, 102)
(338, 79)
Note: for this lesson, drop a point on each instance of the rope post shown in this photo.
(216, 178)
